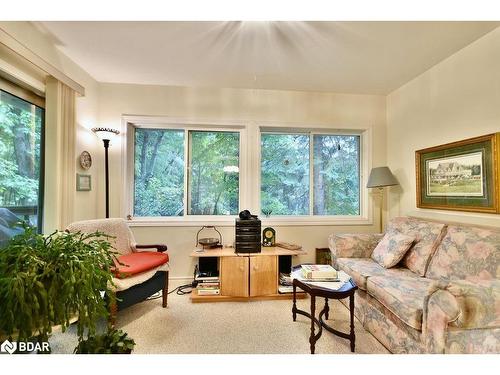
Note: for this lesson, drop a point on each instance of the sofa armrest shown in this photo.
(159, 248)
(462, 305)
(478, 302)
(353, 245)
(440, 310)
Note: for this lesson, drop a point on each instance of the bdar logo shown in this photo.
(8, 347)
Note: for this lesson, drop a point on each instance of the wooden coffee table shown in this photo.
(347, 290)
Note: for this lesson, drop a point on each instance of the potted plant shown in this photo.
(47, 280)
(112, 342)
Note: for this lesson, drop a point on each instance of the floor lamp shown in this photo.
(106, 135)
(379, 178)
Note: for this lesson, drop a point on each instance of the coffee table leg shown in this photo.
(313, 313)
(327, 308)
(351, 308)
(294, 307)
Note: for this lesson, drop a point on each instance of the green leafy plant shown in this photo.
(112, 342)
(48, 280)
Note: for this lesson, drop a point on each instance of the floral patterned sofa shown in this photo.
(442, 297)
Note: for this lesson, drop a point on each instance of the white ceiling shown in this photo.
(347, 57)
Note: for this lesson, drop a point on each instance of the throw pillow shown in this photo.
(392, 248)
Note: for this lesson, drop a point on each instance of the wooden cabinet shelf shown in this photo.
(246, 277)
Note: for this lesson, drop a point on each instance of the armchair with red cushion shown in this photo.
(140, 270)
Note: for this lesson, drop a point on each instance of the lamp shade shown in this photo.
(380, 177)
(105, 133)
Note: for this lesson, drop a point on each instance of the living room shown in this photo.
(371, 146)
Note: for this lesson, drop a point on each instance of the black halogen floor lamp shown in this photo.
(106, 134)
(379, 178)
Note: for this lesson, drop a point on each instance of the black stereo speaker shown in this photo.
(248, 235)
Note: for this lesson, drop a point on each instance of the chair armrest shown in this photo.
(160, 248)
(478, 302)
(353, 245)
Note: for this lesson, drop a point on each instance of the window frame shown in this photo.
(311, 134)
(186, 126)
(250, 164)
(38, 101)
(188, 161)
(311, 219)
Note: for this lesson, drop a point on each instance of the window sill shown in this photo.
(228, 221)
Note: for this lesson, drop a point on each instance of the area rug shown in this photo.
(260, 327)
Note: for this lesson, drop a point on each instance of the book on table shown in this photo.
(328, 283)
(319, 272)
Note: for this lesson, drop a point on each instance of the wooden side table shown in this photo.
(347, 290)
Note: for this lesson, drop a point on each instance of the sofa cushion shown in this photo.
(360, 269)
(427, 237)
(403, 296)
(467, 252)
(392, 248)
(358, 245)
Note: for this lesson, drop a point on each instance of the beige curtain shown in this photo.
(60, 159)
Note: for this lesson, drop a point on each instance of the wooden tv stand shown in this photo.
(246, 277)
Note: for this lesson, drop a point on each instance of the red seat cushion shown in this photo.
(135, 263)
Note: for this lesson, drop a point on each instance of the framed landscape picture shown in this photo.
(462, 175)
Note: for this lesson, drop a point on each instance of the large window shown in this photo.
(202, 173)
(167, 182)
(159, 172)
(310, 174)
(213, 173)
(285, 174)
(21, 166)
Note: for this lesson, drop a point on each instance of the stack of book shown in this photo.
(318, 272)
(207, 285)
(285, 279)
(208, 288)
(285, 283)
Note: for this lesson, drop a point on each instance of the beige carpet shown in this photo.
(228, 327)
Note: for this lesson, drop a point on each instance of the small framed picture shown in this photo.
(83, 182)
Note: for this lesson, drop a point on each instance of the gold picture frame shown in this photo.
(460, 176)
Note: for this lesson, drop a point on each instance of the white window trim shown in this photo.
(134, 122)
(250, 160)
(365, 216)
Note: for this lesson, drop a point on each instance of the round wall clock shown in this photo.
(85, 160)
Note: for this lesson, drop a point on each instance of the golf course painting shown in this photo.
(456, 176)
(460, 176)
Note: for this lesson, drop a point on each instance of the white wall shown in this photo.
(86, 203)
(458, 98)
(326, 109)
(104, 105)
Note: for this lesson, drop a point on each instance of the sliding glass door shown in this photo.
(21, 158)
